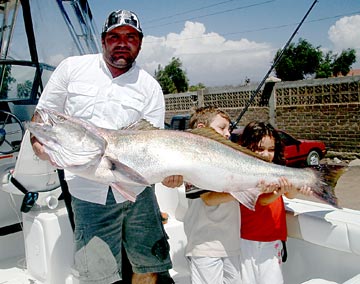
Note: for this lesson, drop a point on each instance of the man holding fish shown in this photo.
(110, 91)
(96, 111)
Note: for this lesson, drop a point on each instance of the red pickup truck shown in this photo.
(301, 151)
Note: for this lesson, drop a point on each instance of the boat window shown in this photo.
(17, 82)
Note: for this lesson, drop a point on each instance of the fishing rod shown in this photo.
(276, 61)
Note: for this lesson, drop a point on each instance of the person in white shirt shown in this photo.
(212, 221)
(111, 91)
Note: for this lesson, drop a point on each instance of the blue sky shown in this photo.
(223, 42)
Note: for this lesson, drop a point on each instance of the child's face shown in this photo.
(221, 125)
(266, 148)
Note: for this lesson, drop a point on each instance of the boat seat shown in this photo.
(33, 174)
(334, 232)
(324, 225)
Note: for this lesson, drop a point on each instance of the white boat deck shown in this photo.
(14, 271)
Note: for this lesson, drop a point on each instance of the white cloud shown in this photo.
(345, 33)
(208, 58)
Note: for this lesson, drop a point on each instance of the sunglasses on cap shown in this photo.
(121, 18)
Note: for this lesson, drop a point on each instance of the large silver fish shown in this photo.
(140, 155)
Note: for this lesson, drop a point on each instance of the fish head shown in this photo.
(68, 141)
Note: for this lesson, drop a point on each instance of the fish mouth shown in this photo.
(42, 131)
(68, 141)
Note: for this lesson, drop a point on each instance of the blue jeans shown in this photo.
(101, 231)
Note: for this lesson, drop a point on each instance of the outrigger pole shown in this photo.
(276, 61)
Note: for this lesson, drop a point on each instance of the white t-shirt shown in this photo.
(83, 87)
(212, 231)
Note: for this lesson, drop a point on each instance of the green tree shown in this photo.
(6, 80)
(167, 85)
(197, 87)
(326, 66)
(24, 90)
(172, 78)
(342, 63)
(302, 60)
(298, 61)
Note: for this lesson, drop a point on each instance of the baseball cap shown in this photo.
(121, 18)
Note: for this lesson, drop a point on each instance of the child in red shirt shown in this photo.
(263, 231)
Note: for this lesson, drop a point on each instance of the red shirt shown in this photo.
(266, 223)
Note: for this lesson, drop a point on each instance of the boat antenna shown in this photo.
(276, 61)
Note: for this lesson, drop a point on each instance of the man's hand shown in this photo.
(39, 151)
(173, 181)
(38, 148)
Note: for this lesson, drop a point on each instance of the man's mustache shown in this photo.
(121, 48)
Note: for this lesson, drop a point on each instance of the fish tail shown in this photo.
(325, 185)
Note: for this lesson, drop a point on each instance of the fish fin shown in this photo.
(210, 133)
(328, 176)
(127, 174)
(248, 197)
(128, 194)
(142, 124)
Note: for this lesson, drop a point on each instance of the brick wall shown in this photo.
(336, 125)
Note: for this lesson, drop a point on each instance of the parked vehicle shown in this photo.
(301, 151)
(180, 122)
